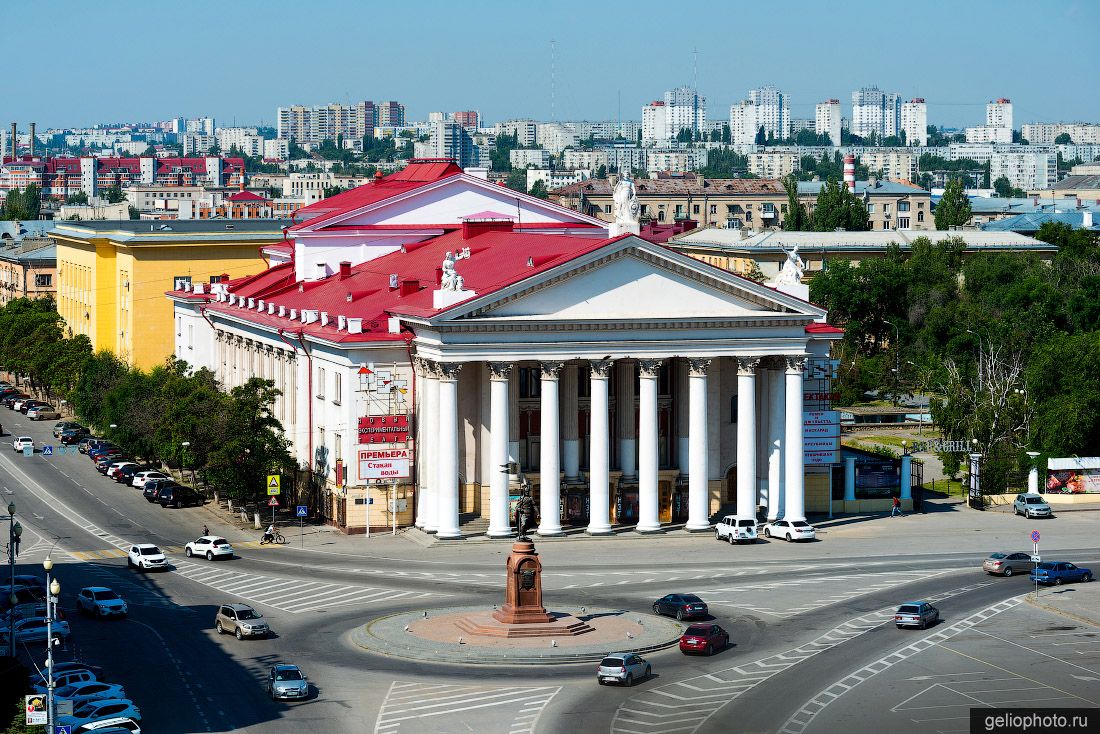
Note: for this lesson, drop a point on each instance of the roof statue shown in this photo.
(451, 280)
(793, 268)
(625, 196)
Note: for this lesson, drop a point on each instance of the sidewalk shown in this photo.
(1079, 602)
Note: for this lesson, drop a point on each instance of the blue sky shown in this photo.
(240, 59)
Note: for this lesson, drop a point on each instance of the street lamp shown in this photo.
(183, 459)
(51, 604)
(15, 530)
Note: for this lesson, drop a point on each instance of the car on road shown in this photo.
(145, 556)
(62, 426)
(114, 467)
(92, 690)
(681, 606)
(177, 495)
(790, 530)
(23, 595)
(18, 403)
(704, 638)
(26, 405)
(96, 444)
(110, 725)
(919, 614)
(24, 610)
(64, 678)
(1058, 573)
(152, 489)
(43, 413)
(101, 601)
(97, 710)
(1007, 564)
(622, 667)
(23, 442)
(736, 530)
(104, 463)
(139, 478)
(33, 629)
(88, 442)
(210, 546)
(1031, 505)
(30, 580)
(124, 474)
(71, 436)
(241, 620)
(286, 681)
(9, 400)
(63, 668)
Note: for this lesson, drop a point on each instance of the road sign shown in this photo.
(1034, 536)
(302, 511)
(1035, 558)
(63, 729)
(36, 710)
(273, 502)
(273, 482)
(28, 451)
(47, 450)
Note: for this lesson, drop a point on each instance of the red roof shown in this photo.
(823, 329)
(246, 196)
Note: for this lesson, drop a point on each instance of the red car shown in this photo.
(704, 638)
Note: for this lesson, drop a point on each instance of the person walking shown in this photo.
(897, 507)
(205, 530)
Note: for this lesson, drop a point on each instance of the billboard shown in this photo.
(1077, 480)
(384, 463)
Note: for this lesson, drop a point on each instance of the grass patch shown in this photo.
(953, 487)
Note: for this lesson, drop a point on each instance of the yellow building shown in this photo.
(112, 276)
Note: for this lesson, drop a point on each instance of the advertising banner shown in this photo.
(384, 463)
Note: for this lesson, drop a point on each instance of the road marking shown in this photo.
(416, 705)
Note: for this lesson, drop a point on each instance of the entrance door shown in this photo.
(342, 513)
(731, 489)
(664, 501)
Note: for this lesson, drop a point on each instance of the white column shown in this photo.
(430, 436)
(447, 452)
(1033, 473)
(550, 453)
(513, 423)
(683, 440)
(500, 525)
(599, 501)
(775, 444)
(850, 479)
(794, 468)
(624, 416)
(570, 430)
(746, 437)
(698, 487)
(906, 477)
(648, 519)
(419, 423)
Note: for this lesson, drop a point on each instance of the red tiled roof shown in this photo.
(823, 329)
(246, 196)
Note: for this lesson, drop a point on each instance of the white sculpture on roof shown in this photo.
(626, 207)
(793, 268)
(450, 279)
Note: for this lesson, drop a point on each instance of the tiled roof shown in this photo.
(246, 196)
(1089, 181)
(675, 186)
(1032, 221)
(873, 240)
(882, 186)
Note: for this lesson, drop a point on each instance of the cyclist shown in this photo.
(269, 534)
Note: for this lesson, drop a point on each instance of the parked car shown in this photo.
(681, 606)
(145, 556)
(1007, 564)
(22, 594)
(9, 400)
(24, 610)
(64, 678)
(23, 442)
(286, 681)
(1031, 505)
(704, 638)
(918, 614)
(790, 530)
(110, 454)
(118, 465)
(26, 405)
(88, 442)
(124, 474)
(104, 463)
(33, 629)
(96, 710)
(27, 579)
(68, 666)
(43, 413)
(152, 490)
(92, 690)
(101, 602)
(736, 530)
(210, 546)
(622, 667)
(139, 478)
(17, 404)
(1058, 573)
(177, 495)
(241, 620)
(110, 725)
(71, 436)
(62, 426)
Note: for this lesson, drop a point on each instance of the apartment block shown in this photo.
(827, 120)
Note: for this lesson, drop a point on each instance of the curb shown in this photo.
(1030, 599)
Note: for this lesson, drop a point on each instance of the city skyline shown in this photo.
(585, 86)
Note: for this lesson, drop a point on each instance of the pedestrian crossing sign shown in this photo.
(303, 511)
(273, 502)
(28, 451)
(273, 485)
(47, 450)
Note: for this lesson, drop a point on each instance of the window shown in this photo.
(885, 209)
(713, 208)
(661, 216)
(190, 336)
(43, 280)
(320, 382)
(695, 209)
(903, 222)
(645, 209)
(903, 206)
(679, 209)
(337, 387)
(920, 216)
(920, 205)
(768, 207)
(180, 281)
(179, 326)
(607, 208)
(870, 208)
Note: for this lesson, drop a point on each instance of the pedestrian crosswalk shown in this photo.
(134, 593)
(120, 552)
(420, 707)
(289, 595)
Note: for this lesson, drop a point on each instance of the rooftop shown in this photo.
(674, 186)
(875, 240)
(1032, 221)
(141, 232)
(1091, 181)
(878, 187)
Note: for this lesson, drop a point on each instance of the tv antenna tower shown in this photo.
(553, 80)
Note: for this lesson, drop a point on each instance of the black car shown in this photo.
(152, 493)
(28, 404)
(8, 400)
(177, 495)
(681, 606)
(126, 473)
(71, 436)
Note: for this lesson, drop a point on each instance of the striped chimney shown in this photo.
(850, 172)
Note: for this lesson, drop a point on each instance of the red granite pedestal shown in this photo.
(523, 596)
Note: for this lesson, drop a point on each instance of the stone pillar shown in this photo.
(746, 437)
(429, 435)
(421, 457)
(447, 452)
(624, 416)
(648, 518)
(599, 501)
(550, 453)
(513, 422)
(570, 430)
(698, 488)
(906, 477)
(850, 479)
(794, 465)
(775, 444)
(1033, 473)
(680, 400)
(500, 525)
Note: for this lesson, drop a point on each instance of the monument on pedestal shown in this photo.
(789, 279)
(625, 208)
(523, 594)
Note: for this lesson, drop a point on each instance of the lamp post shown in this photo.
(15, 530)
(51, 603)
(183, 459)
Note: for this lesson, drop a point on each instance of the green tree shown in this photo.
(253, 445)
(517, 181)
(796, 219)
(1063, 139)
(1004, 188)
(32, 201)
(80, 197)
(150, 152)
(114, 194)
(724, 163)
(499, 155)
(134, 212)
(839, 208)
(954, 207)
(539, 189)
(601, 172)
(761, 137)
(726, 135)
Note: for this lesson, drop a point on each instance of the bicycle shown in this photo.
(278, 539)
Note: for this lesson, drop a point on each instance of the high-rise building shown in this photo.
(875, 111)
(468, 118)
(685, 108)
(743, 125)
(827, 120)
(295, 123)
(654, 123)
(525, 131)
(314, 125)
(998, 113)
(391, 114)
(773, 111)
(1024, 169)
(914, 121)
(451, 140)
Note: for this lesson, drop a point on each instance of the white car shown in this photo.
(210, 546)
(96, 710)
(23, 442)
(142, 477)
(91, 690)
(113, 470)
(110, 725)
(146, 556)
(33, 629)
(790, 530)
(735, 530)
(101, 601)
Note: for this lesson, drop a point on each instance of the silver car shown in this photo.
(1007, 564)
(287, 681)
(919, 614)
(622, 667)
(1031, 505)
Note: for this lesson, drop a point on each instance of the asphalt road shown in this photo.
(800, 618)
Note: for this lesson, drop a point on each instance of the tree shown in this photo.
(761, 138)
(80, 197)
(839, 208)
(499, 155)
(150, 152)
(796, 219)
(1063, 139)
(517, 181)
(724, 163)
(114, 194)
(954, 207)
(134, 212)
(539, 189)
(252, 445)
(601, 172)
(726, 135)
(1004, 188)
(32, 201)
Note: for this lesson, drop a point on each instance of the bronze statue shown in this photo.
(527, 514)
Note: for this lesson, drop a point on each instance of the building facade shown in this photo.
(773, 111)
(1025, 170)
(827, 120)
(914, 122)
(875, 111)
(743, 123)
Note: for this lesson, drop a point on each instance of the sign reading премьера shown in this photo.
(384, 463)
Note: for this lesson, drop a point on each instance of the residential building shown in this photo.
(1084, 187)
(201, 126)
(898, 205)
(587, 159)
(295, 123)
(314, 125)
(449, 140)
(62, 177)
(798, 124)
(675, 159)
(606, 129)
(743, 123)
(827, 120)
(773, 164)
(1085, 169)
(914, 122)
(111, 276)
(529, 158)
(276, 149)
(998, 113)
(582, 312)
(739, 202)
(655, 124)
(981, 134)
(875, 111)
(890, 163)
(1045, 133)
(523, 130)
(245, 138)
(28, 261)
(554, 136)
(1026, 170)
(468, 118)
(685, 109)
(773, 111)
(197, 143)
(1086, 217)
(556, 178)
(390, 114)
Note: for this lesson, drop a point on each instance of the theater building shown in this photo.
(435, 316)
